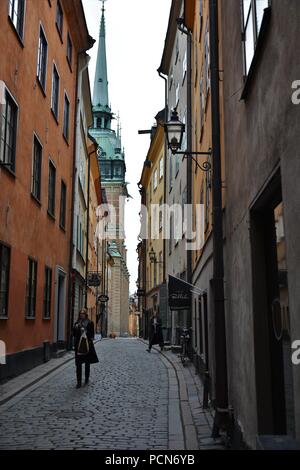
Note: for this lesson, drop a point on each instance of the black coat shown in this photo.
(91, 357)
(155, 333)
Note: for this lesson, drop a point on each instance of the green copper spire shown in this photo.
(100, 97)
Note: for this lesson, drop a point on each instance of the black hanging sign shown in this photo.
(179, 294)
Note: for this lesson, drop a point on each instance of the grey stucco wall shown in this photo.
(260, 133)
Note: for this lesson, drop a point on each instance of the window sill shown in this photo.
(54, 117)
(36, 200)
(41, 87)
(46, 318)
(51, 216)
(4, 318)
(62, 228)
(29, 318)
(257, 53)
(7, 169)
(66, 140)
(16, 32)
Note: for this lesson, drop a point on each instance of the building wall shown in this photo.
(261, 134)
(25, 225)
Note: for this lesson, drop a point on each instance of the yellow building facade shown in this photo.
(152, 184)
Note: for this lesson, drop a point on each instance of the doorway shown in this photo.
(60, 306)
(272, 341)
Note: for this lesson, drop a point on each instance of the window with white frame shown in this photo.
(42, 59)
(177, 94)
(201, 16)
(8, 131)
(155, 180)
(184, 65)
(253, 12)
(16, 12)
(36, 180)
(161, 168)
(55, 91)
(202, 102)
(207, 58)
(66, 123)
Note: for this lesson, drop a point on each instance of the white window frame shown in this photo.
(55, 66)
(41, 27)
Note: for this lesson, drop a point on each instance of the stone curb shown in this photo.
(189, 429)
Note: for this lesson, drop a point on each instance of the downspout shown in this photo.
(221, 403)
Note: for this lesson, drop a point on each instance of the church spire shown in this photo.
(100, 96)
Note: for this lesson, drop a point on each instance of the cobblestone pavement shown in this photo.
(125, 406)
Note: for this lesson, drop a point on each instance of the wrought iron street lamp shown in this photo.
(174, 130)
(153, 258)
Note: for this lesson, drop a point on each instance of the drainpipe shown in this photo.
(221, 403)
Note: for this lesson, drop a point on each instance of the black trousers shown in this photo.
(79, 370)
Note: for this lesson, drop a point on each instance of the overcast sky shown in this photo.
(135, 34)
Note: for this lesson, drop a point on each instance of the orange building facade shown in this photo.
(40, 41)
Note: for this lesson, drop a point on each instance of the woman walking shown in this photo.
(85, 353)
(155, 335)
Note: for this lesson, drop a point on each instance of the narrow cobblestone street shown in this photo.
(125, 406)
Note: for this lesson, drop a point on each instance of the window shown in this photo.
(30, 304)
(55, 92)
(171, 79)
(51, 189)
(170, 172)
(184, 66)
(42, 59)
(177, 95)
(202, 103)
(59, 18)
(177, 50)
(66, 129)
(207, 58)
(8, 131)
(160, 260)
(201, 16)
(63, 201)
(4, 279)
(69, 49)
(47, 293)
(155, 180)
(36, 169)
(17, 14)
(253, 12)
(161, 214)
(161, 168)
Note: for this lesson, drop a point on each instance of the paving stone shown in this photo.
(125, 406)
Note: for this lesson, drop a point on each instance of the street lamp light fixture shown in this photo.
(174, 130)
(152, 256)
